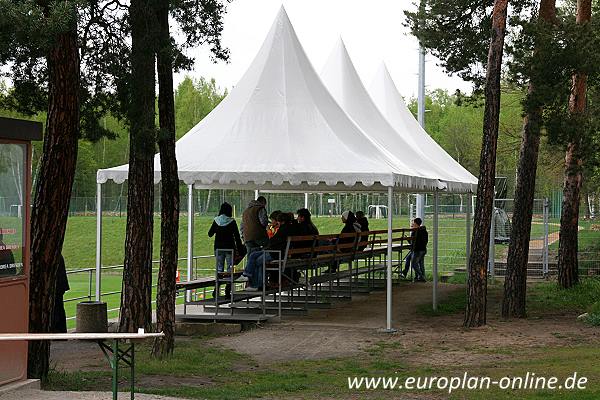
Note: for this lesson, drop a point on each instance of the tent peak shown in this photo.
(282, 15)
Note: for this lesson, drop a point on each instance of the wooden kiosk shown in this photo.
(15, 199)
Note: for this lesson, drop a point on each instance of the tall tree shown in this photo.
(568, 267)
(53, 49)
(169, 233)
(515, 284)
(201, 23)
(136, 302)
(54, 183)
(475, 314)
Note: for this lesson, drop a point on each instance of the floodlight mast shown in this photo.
(420, 211)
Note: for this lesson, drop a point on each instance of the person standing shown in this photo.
(419, 249)
(227, 238)
(254, 225)
(59, 317)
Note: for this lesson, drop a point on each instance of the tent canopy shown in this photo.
(388, 99)
(344, 83)
(281, 129)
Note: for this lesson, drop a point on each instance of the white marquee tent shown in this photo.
(400, 134)
(389, 100)
(280, 129)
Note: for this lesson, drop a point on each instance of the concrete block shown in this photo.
(206, 329)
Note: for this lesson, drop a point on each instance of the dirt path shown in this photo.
(351, 328)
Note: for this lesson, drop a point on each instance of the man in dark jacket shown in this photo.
(59, 318)
(227, 238)
(419, 249)
(254, 225)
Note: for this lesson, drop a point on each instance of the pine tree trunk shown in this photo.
(166, 293)
(53, 192)
(568, 267)
(137, 272)
(475, 314)
(515, 283)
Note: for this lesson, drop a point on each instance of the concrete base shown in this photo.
(20, 385)
(206, 328)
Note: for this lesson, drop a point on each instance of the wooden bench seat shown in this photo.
(206, 282)
(316, 255)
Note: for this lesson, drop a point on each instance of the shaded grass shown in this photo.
(453, 304)
(548, 297)
(543, 298)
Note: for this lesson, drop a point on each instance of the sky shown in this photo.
(372, 30)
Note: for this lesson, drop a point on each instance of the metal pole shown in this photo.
(190, 238)
(468, 234)
(546, 244)
(389, 262)
(421, 93)
(492, 242)
(436, 202)
(420, 211)
(256, 194)
(306, 200)
(99, 242)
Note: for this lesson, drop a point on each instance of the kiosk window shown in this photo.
(12, 213)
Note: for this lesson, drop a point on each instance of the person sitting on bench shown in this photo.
(350, 226)
(273, 225)
(305, 224)
(364, 227)
(227, 237)
(253, 271)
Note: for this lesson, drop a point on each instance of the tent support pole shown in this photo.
(256, 194)
(468, 233)
(306, 200)
(190, 238)
(436, 235)
(98, 242)
(389, 328)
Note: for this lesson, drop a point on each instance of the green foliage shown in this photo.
(593, 317)
(457, 127)
(193, 101)
(29, 31)
(544, 297)
(458, 33)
